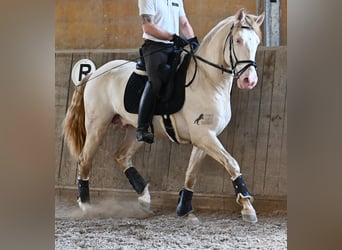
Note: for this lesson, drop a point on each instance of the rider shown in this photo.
(161, 22)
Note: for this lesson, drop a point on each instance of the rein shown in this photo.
(232, 70)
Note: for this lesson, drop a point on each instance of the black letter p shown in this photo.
(84, 70)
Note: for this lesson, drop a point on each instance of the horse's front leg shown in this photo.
(213, 147)
(184, 207)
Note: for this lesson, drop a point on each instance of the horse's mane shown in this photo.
(222, 24)
(225, 22)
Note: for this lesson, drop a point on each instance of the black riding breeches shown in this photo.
(155, 53)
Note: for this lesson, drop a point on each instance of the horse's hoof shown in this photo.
(145, 200)
(145, 206)
(84, 206)
(192, 219)
(249, 217)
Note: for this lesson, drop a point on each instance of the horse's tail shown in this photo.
(73, 124)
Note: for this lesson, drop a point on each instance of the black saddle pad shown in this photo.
(136, 84)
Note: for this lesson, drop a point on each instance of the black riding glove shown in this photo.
(194, 43)
(180, 42)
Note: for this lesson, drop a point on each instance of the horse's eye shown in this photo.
(238, 40)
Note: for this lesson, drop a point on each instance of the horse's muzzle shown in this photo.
(247, 82)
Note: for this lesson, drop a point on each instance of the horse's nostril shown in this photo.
(249, 80)
(246, 80)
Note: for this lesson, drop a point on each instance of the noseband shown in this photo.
(234, 62)
(249, 63)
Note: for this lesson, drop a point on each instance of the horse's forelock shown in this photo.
(250, 22)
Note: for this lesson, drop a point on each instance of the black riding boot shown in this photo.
(146, 108)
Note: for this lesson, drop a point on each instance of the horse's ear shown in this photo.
(260, 19)
(240, 15)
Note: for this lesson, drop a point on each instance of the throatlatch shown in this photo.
(184, 202)
(83, 191)
(241, 188)
(136, 180)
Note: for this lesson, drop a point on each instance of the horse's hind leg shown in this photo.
(124, 158)
(96, 129)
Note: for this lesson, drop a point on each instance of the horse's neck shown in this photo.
(211, 49)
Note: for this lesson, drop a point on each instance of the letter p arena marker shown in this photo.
(81, 69)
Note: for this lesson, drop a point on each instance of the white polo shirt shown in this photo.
(166, 15)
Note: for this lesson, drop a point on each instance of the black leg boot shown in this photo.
(136, 180)
(145, 115)
(83, 191)
(184, 202)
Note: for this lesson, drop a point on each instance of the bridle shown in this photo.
(234, 61)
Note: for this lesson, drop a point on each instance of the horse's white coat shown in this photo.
(209, 94)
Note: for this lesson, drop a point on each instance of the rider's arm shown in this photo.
(185, 27)
(154, 30)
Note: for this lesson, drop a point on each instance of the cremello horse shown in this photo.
(226, 52)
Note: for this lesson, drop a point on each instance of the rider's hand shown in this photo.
(180, 42)
(194, 43)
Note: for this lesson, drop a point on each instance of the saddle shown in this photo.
(172, 94)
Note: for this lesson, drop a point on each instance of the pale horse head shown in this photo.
(242, 45)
